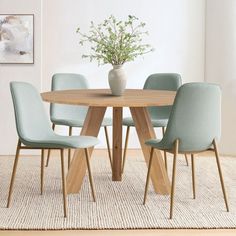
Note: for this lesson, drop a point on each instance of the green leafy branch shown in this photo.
(115, 42)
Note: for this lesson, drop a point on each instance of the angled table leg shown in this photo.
(145, 131)
(78, 167)
(117, 144)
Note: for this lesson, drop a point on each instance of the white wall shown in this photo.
(176, 28)
(221, 63)
(20, 72)
(176, 31)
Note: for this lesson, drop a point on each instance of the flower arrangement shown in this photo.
(114, 41)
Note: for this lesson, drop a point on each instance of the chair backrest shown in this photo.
(31, 119)
(195, 118)
(67, 81)
(162, 81)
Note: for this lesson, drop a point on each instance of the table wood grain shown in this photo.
(103, 98)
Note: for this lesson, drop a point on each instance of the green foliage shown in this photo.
(115, 42)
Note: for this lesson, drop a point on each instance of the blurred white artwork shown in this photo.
(16, 39)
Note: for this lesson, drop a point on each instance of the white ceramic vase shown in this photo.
(117, 80)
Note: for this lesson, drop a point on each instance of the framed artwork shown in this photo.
(17, 38)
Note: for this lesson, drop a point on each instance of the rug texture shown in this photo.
(119, 204)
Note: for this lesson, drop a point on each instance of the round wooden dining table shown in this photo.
(98, 100)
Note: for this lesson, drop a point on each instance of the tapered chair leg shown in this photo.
(193, 176)
(42, 171)
(63, 183)
(186, 159)
(13, 173)
(220, 174)
(165, 156)
(49, 150)
(48, 157)
(108, 145)
(173, 178)
(69, 150)
(148, 176)
(125, 148)
(165, 160)
(90, 174)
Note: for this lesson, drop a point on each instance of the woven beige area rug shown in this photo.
(119, 204)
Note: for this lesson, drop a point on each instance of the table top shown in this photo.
(103, 97)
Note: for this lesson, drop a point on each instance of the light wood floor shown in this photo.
(122, 232)
(162, 232)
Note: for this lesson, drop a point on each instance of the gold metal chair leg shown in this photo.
(165, 156)
(42, 171)
(148, 176)
(173, 178)
(90, 174)
(220, 174)
(108, 145)
(125, 148)
(14, 173)
(69, 150)
(193, 176)
(63, 183)
(186, 159)
(49, 150)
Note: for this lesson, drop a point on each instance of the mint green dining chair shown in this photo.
(35, 132)
(194, 126)
(71, 115)
(159, 115)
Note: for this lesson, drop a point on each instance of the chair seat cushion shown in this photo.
(160, 144)
(59, 141)
(128, 121)
(155, 143)
(78, 122)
